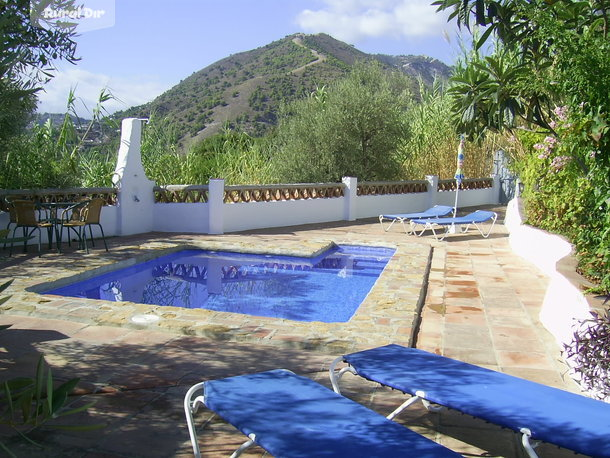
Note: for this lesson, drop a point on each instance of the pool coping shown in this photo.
(389, 313)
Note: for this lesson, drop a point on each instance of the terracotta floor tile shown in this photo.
(101, 334)
(523, 359)
(466, 336)
(549, 377)
(476, 319)
(478, 356)
(526, 333)
(463, 294)
(464, 302)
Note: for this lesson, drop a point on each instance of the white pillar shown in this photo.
(135, 191)
(216, 196)
(350, 196)
(432, 189)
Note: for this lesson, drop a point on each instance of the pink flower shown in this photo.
(561, 112)
(559, 163)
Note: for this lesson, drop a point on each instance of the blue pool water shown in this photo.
(327, 288)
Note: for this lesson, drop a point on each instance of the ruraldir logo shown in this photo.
(84, 15)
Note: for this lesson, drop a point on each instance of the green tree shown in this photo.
(557, 78)
(27, 53)
(537, 42)
(355, 127)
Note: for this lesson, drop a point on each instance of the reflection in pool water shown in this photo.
(326, 288)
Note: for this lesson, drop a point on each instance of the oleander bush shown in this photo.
(567, 190)
(589, 355)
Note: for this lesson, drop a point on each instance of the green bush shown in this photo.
(589, 353)
(353, 128)
(567, 190)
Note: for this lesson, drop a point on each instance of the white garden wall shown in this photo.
(204, 209)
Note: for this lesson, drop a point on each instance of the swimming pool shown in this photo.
(327, 288)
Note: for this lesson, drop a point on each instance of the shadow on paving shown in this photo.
(138, 382)
(138, 388)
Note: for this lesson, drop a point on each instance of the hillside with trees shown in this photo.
(245, 91)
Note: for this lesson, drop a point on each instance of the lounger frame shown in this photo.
(191, 406)
(419, 395)
(314, 419)
(402, 218)
(451, 227)
(524, 430)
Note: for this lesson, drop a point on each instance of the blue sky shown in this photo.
(151, 45)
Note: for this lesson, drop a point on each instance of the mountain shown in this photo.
(57, 119)
(246, 89)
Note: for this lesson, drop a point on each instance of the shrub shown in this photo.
(567, 190)
(589, 355)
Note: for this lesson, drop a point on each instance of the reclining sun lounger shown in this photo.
(293, 416)
(536, 411)
(436, 211)
(475, 218)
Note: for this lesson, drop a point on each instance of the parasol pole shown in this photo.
(459, 176)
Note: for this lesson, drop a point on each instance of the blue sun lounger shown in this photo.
(538, 412)
(436, 211)
(476, 219)
(293, 416)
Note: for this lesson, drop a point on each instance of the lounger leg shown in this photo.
(527, 445)
(440, 237)
(392, 221)
(432, 408)
(190, 407)
(381, 219)
(419, 396)
(414, 232)
(403, 406)
(335, 375)
(483, 233)
(245, 446)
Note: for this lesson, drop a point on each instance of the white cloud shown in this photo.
(88, 85)
(353, 20)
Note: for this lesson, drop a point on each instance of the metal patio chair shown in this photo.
(25, 214)
(80, 216)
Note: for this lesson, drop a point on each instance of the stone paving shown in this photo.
(388, 314)
(480, 305)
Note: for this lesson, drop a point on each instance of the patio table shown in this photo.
(52, 217)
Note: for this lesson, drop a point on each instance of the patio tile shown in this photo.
(469, 318)
(100, 334)
(522, 359)
(466, 336)
(143, 337)
(480, 356)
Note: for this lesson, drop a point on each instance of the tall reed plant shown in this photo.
(431, 148)
(57, 157)
(234, 156)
